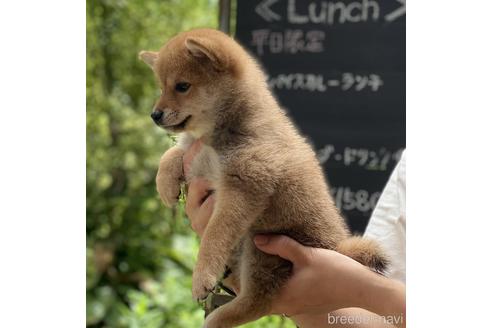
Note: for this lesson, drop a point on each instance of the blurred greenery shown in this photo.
(140, 254)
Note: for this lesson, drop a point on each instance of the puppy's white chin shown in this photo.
(198, 132)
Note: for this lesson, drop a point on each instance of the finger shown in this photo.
(203, 215)
(197, 190)
(282, 246)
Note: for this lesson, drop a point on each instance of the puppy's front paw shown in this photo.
(203, 284)
(169, 190)
(170, 175)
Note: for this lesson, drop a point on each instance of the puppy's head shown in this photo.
(194, 70)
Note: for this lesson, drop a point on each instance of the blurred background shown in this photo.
(140, 254)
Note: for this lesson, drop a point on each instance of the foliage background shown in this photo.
(140, 255)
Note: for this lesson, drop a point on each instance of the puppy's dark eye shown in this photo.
(182, 86)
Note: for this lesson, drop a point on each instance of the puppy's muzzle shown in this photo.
(156, 115)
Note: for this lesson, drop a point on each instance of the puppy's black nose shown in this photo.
(156, 115)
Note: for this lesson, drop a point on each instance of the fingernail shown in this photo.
(261, 240)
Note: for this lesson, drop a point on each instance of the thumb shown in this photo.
(283, 246)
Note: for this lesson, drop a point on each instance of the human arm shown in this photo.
(324, 281)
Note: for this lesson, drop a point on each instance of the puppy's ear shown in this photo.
(149, 57)
(206, 48)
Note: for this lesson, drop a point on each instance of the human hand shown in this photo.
(200, 199)
(324, 280)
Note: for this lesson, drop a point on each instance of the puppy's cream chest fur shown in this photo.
(205, 164)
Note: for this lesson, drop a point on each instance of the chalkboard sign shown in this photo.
(338, 68)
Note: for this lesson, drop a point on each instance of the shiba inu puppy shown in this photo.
(266, 176)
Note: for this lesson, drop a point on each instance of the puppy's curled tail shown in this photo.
(364, 251)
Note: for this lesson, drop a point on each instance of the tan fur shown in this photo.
(169, 176)
(266, 175)
(365, 251)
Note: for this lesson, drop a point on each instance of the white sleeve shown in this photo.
(388, 221)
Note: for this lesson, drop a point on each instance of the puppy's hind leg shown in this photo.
(244, 308)
(260, 278)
